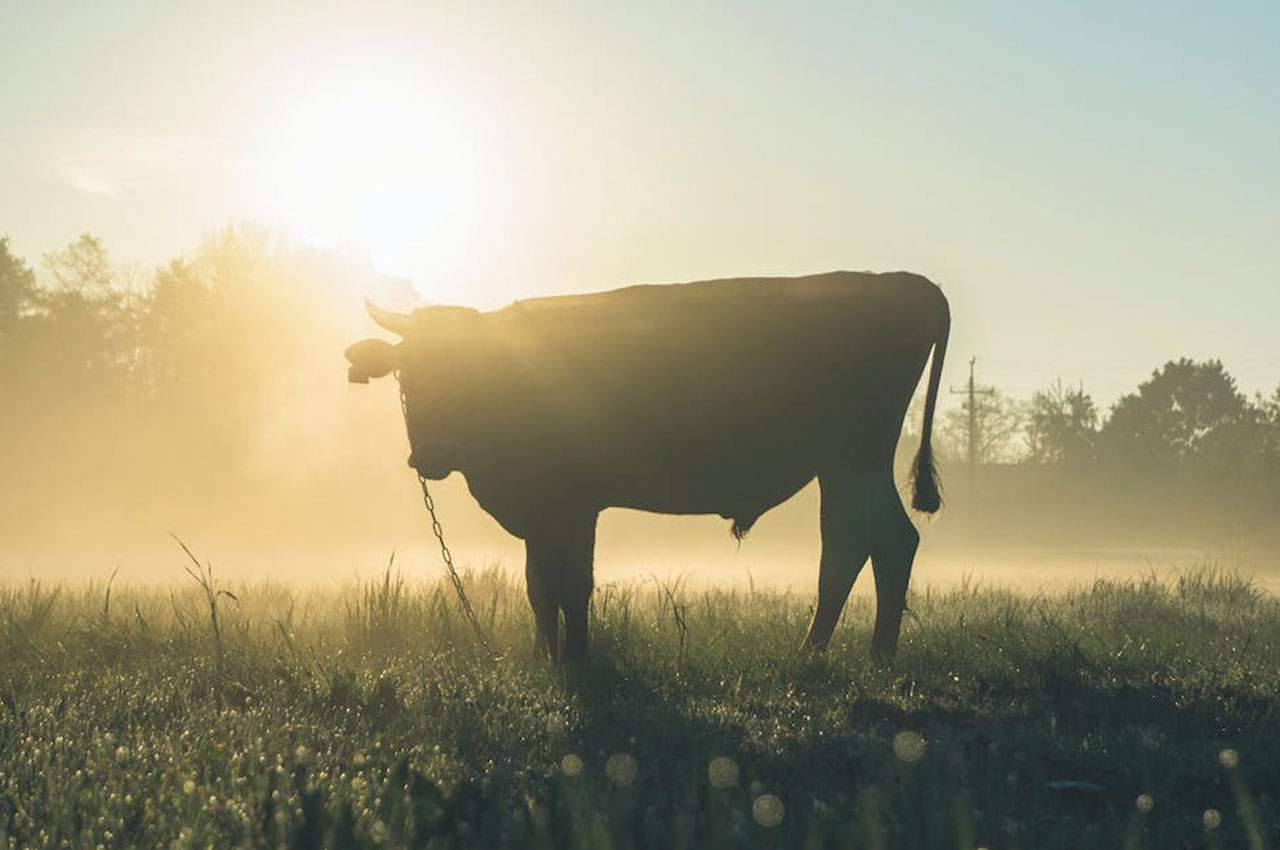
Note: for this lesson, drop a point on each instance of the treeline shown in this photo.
(124, 390)
(1185, 454)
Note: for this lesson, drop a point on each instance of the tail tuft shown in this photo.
(927, 489)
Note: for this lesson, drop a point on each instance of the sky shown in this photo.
(1094, 184)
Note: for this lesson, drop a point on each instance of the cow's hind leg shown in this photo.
(893, 548)
(846, 542)
(563, 552)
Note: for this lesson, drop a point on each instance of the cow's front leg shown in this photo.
(546, 614)
(561, 553)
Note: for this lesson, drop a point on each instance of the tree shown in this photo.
(82, 267)
(17, 288)
(180, 324)
(91, 326)
(997, 420)
(1186, 412)
(1270, 411)
(1062, 426)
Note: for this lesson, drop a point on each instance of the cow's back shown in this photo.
(677, 394)
(726, 350)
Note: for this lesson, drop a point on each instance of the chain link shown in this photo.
(445, 554)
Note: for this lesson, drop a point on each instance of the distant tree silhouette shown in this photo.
(999, 422)
(1185, 412)
(179, 327)
(82, 268)
(1269, 409)
(17, 302)
(89, 333)
(1062, 426)
(17, 288)
(1269, 452)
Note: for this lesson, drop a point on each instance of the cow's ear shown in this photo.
(371, 358)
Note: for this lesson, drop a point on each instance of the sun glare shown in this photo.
(381, 170)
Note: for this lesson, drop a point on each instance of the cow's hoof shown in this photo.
(882, 656)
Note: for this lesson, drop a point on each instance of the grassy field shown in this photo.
(1135, 714)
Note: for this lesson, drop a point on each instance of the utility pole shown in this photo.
(972, 391)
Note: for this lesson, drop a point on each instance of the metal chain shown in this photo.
(445, 554)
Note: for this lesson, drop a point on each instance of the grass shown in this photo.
(1122, 714)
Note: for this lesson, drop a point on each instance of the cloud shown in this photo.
(112, 163)
(90, 182)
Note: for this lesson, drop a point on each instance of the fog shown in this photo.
(207, 400)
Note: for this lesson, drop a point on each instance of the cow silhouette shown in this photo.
(716, 397)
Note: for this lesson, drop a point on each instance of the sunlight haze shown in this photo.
(1093, 187)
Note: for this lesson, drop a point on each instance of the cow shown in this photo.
(714, 397)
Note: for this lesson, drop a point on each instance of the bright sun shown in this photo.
(379, 169)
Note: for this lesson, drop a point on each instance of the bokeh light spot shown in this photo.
(767, 810)
(908, 747)
(571, 765)
(722, 772)
(621, 769)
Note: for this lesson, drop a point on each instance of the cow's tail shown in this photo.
(926, 489)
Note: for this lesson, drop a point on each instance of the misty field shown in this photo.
(1134, 714)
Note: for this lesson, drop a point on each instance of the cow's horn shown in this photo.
(397, 323)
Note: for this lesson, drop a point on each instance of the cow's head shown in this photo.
(433, 361)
